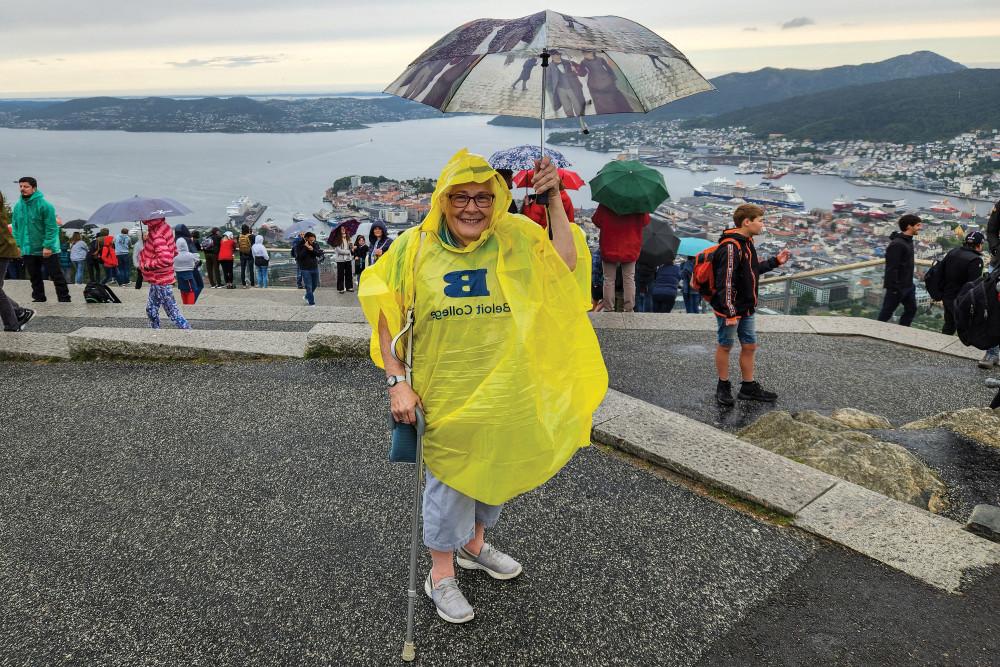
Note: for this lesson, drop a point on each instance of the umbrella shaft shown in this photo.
(543, 198)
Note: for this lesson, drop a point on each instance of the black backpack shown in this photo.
(934, 279)
(977, 312)
(98, 293)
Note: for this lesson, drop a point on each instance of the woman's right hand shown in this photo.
(403, 402)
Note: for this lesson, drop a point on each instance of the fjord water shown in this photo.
(80, 171)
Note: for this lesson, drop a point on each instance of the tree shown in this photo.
(949, 241)
(804, 303)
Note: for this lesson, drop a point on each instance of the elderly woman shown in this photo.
(506, 366)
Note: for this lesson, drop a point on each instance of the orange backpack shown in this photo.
(703, 275)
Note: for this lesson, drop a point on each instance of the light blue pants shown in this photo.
(261, 276)
(450, 517)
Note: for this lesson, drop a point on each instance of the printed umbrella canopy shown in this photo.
(691, 246)
(570, 179)
(523, 157)
(138, 208)
(628, 186)
(589, 65)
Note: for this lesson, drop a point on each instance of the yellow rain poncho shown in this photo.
(505, 360)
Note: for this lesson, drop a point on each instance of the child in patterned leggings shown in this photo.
(156, 260)
(163, 295)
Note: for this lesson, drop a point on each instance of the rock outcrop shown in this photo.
(979, 424)
(828, 445)
(859, 420)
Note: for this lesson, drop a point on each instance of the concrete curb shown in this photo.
(926, 546)
(28, 346)
(338, 340)
(174, 344)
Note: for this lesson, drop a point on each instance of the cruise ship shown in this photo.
(764, 192)
(239, 207)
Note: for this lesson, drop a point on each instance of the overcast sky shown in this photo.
(73, 48)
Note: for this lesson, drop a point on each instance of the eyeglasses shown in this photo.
(482, 200)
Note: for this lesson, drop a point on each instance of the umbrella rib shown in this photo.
(458, 84)
(631, 87)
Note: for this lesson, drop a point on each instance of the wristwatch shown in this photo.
(393, 380)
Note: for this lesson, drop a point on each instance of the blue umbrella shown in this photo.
(138, 208)
(523, 157)
(691, 246)
(298, 228)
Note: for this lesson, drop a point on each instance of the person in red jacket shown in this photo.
(537, 212)
(227, 249)
(621, 242)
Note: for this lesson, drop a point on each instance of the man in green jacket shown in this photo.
(37, 234)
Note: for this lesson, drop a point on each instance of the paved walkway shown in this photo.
(263, 526)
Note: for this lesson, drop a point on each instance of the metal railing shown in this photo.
(841, 268)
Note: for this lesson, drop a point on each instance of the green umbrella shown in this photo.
(628, 186)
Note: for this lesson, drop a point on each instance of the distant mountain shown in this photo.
(764, 86)
(914, 110)
(210, 114)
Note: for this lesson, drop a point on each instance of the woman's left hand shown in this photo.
(546, 176)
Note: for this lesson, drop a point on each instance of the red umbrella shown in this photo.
(570, 179)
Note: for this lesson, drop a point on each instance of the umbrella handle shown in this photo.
(543, 198)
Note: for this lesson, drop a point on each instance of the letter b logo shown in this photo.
(463, 284)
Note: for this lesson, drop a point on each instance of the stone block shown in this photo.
(33, 346)
(669, 321)
(175, 344)
(338, 340)
(960, 349)
(893, 333)
(783, 324)
(923, 545)
(719, 459)
(616, 404)
(607, 320)
(985, 522)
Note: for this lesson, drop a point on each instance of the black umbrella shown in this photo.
(78, 224)
(659, 244)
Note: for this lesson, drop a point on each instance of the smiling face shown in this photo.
(467, 223)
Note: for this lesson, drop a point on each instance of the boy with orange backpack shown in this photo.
(726, 275)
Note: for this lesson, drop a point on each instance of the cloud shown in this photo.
(228, 61)
(797, 23)
(752, 28)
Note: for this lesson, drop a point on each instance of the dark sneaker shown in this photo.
(495, 563)
(724, 393)
(42, 300)
(989, 361)
(24, 317)
(451, 604)
(752, 391)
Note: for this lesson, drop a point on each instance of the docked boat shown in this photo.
(765, 193)
(239, 207)
(888, 205)
(298, 217)
(841, 204)
(873, 213)
(942, 206)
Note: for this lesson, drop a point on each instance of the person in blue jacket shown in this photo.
(664, 288)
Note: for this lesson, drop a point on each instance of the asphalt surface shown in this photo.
(244, 514)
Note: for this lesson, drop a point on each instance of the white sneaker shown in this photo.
(495, 563)
(451, 604)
